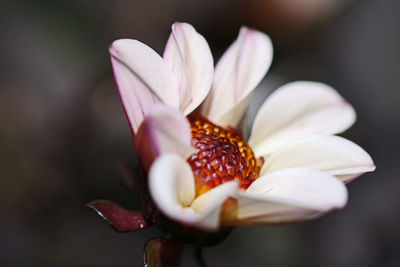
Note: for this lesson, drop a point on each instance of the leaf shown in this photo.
(120, 219)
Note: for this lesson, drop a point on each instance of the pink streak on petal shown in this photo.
(143, 79)
(237, 73)
(165, 130)
(189, 57)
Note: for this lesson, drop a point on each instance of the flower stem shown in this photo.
(198, 254)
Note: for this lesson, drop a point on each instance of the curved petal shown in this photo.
(142, 78)
(237, 73)
(210, 203)
(290, 195)
(189, 57)
(164, 130)
(332, 154)
(171, 185)
(297, 110)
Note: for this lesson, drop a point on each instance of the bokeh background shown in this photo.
(63, 133)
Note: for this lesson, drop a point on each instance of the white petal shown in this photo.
(331, 154)
(142, 78)
(189, 57)
(209, 204)
(297, 110)
(285, 215)
(164, 130)
(290, 195)
(171, 185)
(235, 115)
(237, 73)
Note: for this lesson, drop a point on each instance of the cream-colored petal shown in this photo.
(143, 79)
(332, 154)
(189, 57)
(297, 110)
(234, 116)
(237, 73)
(164, 130)
(209, 204)
(290, 195)
(282, 217)
(171, 185)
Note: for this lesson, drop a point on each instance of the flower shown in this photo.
(184, 116)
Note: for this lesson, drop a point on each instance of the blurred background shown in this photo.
(63, 132)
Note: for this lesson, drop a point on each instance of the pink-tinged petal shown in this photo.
(297, 110)
(237, 73)
(142, 78)
(189, 57)
(171, 185)
(120, 219)
(164, 130)
(331, 154)
(290, 195)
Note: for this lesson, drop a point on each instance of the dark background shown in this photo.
(63, 132)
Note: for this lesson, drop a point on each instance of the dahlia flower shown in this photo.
(185, 115)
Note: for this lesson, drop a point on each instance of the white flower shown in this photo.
(305, 165)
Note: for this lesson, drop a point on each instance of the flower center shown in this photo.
(222, 156)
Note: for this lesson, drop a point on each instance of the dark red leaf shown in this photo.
(160, 252)
(120, 219)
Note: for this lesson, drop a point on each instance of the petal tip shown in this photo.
(373, 167)
(114, 46)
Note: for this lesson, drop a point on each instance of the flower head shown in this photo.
(184, 115)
